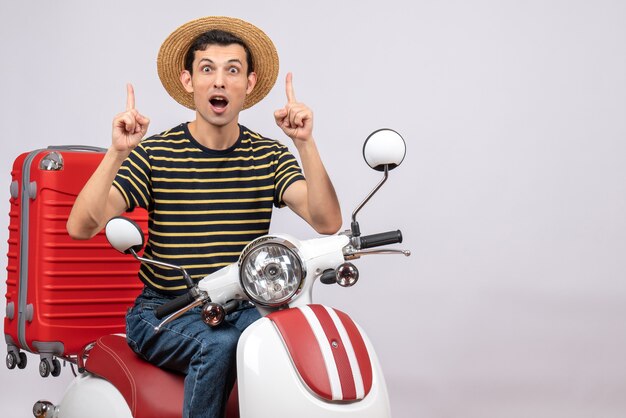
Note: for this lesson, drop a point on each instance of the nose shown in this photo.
(218, 83)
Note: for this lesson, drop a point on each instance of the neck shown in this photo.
(214, 136)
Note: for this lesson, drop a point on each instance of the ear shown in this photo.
(185, 79)
(251, 82)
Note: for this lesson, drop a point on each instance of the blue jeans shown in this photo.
(187, 345)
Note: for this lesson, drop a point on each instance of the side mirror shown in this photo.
(127, 237)
(384, 147)
(383, 150)
(124, 235)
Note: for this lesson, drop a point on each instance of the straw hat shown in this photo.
(171, 59)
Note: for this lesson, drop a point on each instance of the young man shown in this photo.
(209, 186)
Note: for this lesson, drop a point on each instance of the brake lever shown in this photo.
(406, 253)
(200, 301)
(352, 253)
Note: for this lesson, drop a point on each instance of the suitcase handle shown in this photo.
(76, 148)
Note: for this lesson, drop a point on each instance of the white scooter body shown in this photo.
(270, 386)
(91, 396)
(268, 382)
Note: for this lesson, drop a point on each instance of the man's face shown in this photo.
(219, 83)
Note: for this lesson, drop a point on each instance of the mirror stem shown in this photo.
(188, 281)
(356, 232)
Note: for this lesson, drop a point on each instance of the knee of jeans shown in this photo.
(227, 341)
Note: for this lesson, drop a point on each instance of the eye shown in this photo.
(205, 69)
(233, 70)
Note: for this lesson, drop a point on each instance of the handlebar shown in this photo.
(173, 305)
(383, 238)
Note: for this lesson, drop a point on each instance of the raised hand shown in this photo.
(129, 127)
(295, 119)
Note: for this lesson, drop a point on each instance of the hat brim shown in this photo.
(171, 59)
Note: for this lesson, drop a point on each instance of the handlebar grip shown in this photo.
(384, 238)
(173, 305)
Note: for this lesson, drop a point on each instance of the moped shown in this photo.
(299, 359)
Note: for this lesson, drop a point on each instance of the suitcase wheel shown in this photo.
(13, 360)
(56, 367)
(46, 369)
(22, 362)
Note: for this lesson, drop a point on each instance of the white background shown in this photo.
(512, 196)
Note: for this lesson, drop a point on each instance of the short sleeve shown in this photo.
(287, 172)
(133, 179)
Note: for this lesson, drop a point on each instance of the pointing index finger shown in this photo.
(130, 97)
(291, 95)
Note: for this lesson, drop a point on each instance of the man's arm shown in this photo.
(315, 199)
(99, 201)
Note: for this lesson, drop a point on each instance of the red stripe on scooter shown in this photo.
(360, 350)
(344, 370)
(303, 349)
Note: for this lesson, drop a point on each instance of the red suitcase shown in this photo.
(62, 294)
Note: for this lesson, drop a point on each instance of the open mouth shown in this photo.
(219, 102)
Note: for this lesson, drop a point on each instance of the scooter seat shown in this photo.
(149, 391)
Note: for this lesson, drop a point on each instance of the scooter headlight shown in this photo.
(270, 271)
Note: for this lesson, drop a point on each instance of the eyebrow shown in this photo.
(232, 60)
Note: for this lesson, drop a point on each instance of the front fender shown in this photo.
(285, 370)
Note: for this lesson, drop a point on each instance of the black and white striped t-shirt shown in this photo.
(204, 205)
